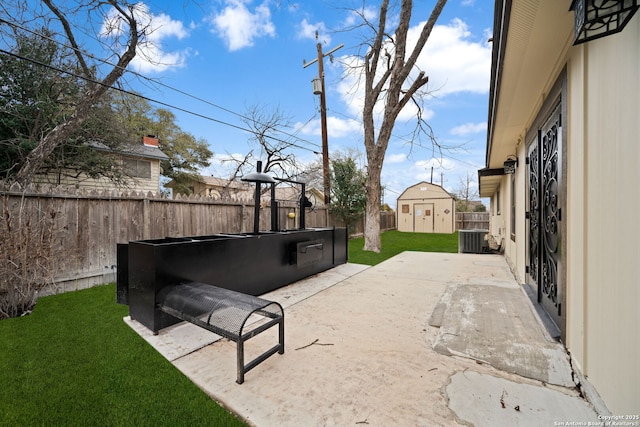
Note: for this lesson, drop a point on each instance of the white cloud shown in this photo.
(353, 18)
(451, 59)
(395, 158)
(437, 164)
(151, 56)
(222, 165)
(336, 128)
(307, 30)
(239, 27)
(469, 128)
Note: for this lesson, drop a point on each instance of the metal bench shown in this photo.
(225, 313)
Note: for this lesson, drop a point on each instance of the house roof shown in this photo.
(138, 150)
(222, 182)
(283, 191)
(530, 38)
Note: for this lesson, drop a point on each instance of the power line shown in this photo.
(159, 83)
(33, 61)
(18, 26)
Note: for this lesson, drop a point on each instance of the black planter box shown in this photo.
(253, 264)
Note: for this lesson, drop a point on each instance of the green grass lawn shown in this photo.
(74, 362)
(394, 242)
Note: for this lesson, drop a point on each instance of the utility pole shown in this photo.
(323, 114)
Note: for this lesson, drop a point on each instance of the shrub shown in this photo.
(25, 255)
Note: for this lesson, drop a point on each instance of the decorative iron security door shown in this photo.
(545, 215)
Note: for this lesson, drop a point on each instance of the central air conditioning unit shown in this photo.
(472, 241)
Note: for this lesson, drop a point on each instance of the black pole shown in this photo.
(302, 208)
(275, 219)
(256, 209)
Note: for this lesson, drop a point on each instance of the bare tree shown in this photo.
(312, 175)
(266, 125)
(119, 20)
(388, 80)
(466, 193)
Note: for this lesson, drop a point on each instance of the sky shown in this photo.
(226, 57)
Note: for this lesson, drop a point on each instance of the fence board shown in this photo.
(472, 220)
(86, 227)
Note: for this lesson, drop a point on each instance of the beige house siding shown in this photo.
(426, 208)
(146, 153)
(514, 244)
(607, 131)
(601, 241)
(151, 184)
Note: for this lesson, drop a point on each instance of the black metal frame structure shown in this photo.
(252, 264)
(184, 278)
(225, 313)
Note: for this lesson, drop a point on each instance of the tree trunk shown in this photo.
(372, 213)
(45, 147)
(388, 86)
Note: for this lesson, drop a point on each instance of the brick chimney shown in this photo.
(150, 141)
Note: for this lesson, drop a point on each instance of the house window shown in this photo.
(137, 168)
(513, 207)
(498, 202)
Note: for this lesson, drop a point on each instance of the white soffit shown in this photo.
(539, 34)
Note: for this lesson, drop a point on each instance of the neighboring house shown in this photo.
(140, 162)
(219, 188)
(564, 118)
(216, 188)
(426, 208)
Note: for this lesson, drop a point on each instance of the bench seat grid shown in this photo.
(224, 312)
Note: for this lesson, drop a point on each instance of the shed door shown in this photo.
(544, 274)
(423, 217)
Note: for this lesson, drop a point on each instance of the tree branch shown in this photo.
(61, 132)
(72, 40)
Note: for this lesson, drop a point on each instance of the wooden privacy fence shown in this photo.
(387, 222)
(84, 228)
(472, 220)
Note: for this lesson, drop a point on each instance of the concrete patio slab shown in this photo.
(493, 324)
(359, 351)
(501, 403)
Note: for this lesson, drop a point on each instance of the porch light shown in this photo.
(317, 86)
(600, 18)
(510, 166)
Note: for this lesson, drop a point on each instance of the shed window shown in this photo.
(405, 208)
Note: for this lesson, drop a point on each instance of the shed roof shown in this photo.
(433, 188)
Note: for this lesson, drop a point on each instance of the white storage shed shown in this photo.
(426, 208)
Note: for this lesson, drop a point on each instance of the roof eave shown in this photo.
(502, 13)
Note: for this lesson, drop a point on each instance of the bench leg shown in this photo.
(240, 357)
(281, 335)
(279, 348)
